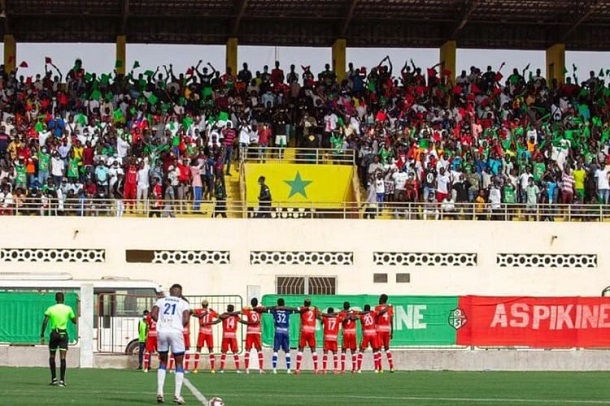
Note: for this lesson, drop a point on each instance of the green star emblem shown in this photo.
(297, 186)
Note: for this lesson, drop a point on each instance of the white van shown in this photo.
(119, 303)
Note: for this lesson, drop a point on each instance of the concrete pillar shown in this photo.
(121, 54)
(10, 53)
(447, 57)
(555, 63)
(339, 65)
(231, 55)
(85, 326)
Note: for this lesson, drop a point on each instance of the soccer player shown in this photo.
(205, 338)
(368, 323)
(309, 317)
(385, 329)
(151, 341)
(348, 322)
(253, 333)
(172, 315)
(142, 331)
(59, 315)
(281, 340)
(187, 345)
(331, 322)
(230, 319)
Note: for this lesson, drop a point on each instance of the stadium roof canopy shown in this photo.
(504, 24)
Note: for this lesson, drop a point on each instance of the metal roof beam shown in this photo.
(469, 7)
(590, 10)
(5, 13)
(240, 15)
(348, 17)
(124, 16)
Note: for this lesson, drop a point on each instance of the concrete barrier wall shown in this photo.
(228, 256)
(406, 360)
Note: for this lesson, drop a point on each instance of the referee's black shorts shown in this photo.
(58, 340)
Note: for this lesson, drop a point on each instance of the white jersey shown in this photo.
(171, 309)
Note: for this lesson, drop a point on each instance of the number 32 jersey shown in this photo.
(171, 310)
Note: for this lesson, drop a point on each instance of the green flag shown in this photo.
(152, 99)
(136, 65)
(565, 70)
(96, 94)
(149, 73)
(187, 122)
(207, 92)
(105, 79)
(118, 64)
(223, 116)
(81, 120)
(118, 116)
(87, 77)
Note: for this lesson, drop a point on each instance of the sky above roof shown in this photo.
(101, 57)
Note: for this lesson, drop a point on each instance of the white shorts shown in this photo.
(171, 339)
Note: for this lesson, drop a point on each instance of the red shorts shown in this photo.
(369, 340)
(151, 344)
(441, 196)
(253, 341)
(205, 341)
(187, 341)
(383, 339)
(229, 344)
(349, 342)
(330, 346)
(307, 339)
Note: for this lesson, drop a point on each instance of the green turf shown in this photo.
(28, 386)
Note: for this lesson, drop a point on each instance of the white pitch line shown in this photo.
(198, 395)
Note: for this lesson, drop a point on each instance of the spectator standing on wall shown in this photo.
(168, 200)
(264, 199)
(221, 199)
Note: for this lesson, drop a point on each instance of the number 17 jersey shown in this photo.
(171, 309)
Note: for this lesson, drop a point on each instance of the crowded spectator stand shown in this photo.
(419, 134)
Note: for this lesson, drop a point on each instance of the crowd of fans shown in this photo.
(420, 135)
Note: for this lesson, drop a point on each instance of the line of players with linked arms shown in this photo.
(376, 332)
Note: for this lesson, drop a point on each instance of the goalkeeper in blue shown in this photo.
(281, 341)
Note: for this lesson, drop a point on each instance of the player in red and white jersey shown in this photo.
(368, 323)
(309, 318)
(348, 323)
(253, 333)
(385, 329)
(151, 341)
(230, 320)
(331, 322)
(205, 338)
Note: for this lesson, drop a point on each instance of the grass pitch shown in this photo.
(28, 386)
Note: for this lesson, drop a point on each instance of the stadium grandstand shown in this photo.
(388, 140)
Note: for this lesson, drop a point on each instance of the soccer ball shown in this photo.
(216, 402)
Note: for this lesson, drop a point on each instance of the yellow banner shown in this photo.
(301, 185)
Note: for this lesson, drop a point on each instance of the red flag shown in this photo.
(189, 71)
(23, 64)
(48, 59)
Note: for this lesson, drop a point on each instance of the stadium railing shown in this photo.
(92, 207)
(299, 155)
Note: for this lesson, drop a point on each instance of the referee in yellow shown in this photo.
(59, 315)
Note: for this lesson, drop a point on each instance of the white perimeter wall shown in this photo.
(360, 237)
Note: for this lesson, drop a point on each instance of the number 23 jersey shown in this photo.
(171, 310)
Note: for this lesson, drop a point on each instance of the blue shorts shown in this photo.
(281, 341)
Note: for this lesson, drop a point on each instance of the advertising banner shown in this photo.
(549, 322)
(418, 320)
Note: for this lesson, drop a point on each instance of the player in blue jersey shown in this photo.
(281, 320)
